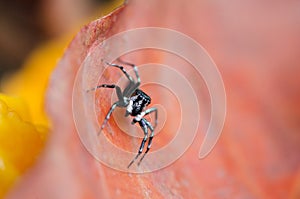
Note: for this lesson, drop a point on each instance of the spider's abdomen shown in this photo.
(139, 101)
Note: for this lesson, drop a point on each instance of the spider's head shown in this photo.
(138, 101)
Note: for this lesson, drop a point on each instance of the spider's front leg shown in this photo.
(122, 69)
(133, 85)
(134, 68)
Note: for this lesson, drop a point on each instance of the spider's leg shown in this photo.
(143, 125)
(123, 70)
(149, 142)
(150, 110)
(121, 101)
(118, 90)
(102, 86)
(134, 68)
(112, 108)
(131, 87)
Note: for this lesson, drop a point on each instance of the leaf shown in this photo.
(257, 154)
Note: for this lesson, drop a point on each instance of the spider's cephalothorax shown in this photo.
(135, 101)
(138, 101)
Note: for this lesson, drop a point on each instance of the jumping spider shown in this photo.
(135, 101)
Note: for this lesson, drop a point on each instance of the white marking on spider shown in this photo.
(129, 107)
(140, 116)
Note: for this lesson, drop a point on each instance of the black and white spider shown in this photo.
(135, 101)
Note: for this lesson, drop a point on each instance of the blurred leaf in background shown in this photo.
(20, 140)
(33, 36)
